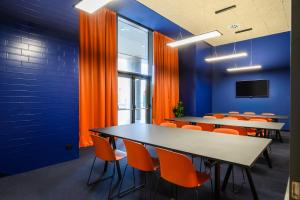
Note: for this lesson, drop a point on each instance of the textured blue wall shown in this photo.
(273, 53)
(38, 98)
(195, 79)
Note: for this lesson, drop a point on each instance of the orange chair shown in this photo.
(252, 131)
(234, 112)
(241, 130)
(168, 124)
(249, 113)
(104, 151)
(226, 131)
(231, 118)
(219, 116)
(178, 169)
(138, 158)
(207, 127)
(193, 127)
(241, 117)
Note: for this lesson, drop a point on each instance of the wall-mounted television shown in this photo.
(252, 88)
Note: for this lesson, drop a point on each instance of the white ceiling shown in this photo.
(266, 17)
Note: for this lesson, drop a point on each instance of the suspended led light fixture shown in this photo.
(91, 6)
(226, 57)
(245, 68)
(194, 39)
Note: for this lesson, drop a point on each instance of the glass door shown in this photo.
(133, 99)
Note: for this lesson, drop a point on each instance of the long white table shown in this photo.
(232, 149)
(276, 117)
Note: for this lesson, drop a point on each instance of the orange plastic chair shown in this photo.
(234, 112)
(241, 117)
(207, 127)
(138, 158)
(219, 116)
(231, 118)
(104, 151)
(226, 131)
(252, 131)
(168, 124)
(178, 169)
(193, 127)
(249, 113)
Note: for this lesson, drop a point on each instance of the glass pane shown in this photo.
(124, 93)
(132, 48)
(141, 93)
(124, 117)
(140, 116)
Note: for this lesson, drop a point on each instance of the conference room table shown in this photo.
(259, 126)
(275, 117)
(223, 148)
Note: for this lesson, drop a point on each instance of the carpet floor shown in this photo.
(68, 180)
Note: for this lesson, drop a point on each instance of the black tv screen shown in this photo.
(257, 88)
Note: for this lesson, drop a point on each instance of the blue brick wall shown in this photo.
(38, 98)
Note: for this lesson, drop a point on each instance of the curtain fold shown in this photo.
(166, 78)
(97, 72)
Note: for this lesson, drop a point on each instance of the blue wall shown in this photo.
(195, 80)
(38, 98)
(273, 53)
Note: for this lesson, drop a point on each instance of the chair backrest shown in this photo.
(234, 112)
(268, 114)
(241, 117)
(193, 127)
(249, 113)
(177, 168)
(103, 149)
(169, 124)
(226, 131)
(219, 116)
(138, 156)
(230, 118)
(259, 119)
(209, 117)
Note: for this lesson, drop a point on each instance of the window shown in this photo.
(135, 69)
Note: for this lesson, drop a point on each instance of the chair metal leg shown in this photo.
(196, 192)
(111, 182)
(88, 182)
(120, 187)
(156, 188)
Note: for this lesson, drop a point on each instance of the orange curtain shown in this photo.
(97, 73)
(166, 75)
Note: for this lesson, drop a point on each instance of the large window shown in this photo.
(135, 69)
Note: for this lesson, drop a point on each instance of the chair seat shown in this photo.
(202, 177)
(120, 154)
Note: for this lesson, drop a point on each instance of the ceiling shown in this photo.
(265, 17)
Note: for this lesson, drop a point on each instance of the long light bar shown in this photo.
(246, 68)
(194, 39)
(226, 57)
(91, 6)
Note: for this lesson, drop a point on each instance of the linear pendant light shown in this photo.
(226, 57)
(245, 68)
(91, 6)
(194, 39)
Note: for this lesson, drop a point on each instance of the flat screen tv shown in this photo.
(252, 89)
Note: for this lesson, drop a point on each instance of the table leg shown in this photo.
(266, 155)
(217, 181)
(278, 135)
(113, 142)
(252, 186)
(228, 172)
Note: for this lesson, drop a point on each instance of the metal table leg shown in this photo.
(228, 172)
(252, 186)
(217, 181)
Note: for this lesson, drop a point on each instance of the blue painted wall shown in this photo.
(195, 79)
(38, 98)
(273, 53)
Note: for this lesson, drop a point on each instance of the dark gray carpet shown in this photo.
(68, 180)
